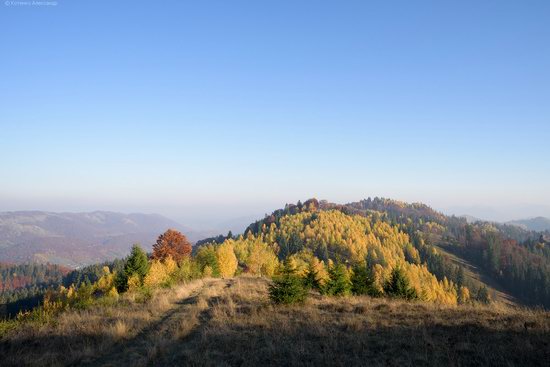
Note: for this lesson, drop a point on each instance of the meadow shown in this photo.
(233, 322)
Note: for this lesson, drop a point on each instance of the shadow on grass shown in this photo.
(463, 345)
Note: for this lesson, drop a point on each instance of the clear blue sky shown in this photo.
(209, 110)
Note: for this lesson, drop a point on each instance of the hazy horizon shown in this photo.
(205, 113)
(236, 219)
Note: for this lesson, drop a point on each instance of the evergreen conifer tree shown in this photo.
(339, 283)
(288, 287)
(362, 282)
(136, 264)
(311, 278)
(398, 285)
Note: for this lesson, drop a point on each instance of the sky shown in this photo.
(207, 111)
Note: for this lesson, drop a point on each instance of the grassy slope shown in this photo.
(231, 322)
(498, 293)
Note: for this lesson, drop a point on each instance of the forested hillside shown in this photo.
(375, 234)
(23, 285)
(518, 259)
(377, 280)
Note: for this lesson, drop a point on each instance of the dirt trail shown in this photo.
(177, 324)
(177, 351)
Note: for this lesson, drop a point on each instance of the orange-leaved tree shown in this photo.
(172, 244)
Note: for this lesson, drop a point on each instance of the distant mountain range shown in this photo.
(538, 224)
(76, 239)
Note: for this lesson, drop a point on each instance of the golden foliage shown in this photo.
(207, 271)
(134, 283)
(160, 272)
(106, 282)
(255, 255)
(353, 238)
(227, 261)
(463, 295)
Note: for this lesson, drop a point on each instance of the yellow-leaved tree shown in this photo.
(227, 261)
(256, 256)
(160, 272)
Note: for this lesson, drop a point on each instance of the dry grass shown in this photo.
(231, 322)
(245, 329)
(79, 335)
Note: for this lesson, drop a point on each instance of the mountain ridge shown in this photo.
(539, 223)
(76, 239)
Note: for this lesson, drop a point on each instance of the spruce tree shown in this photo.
(398, 285)
(136, 264)
(362, 282)
(311, 278)
(287, 288)
(339, 283)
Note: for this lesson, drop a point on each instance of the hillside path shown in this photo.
(179, 323)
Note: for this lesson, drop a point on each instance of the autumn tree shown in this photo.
(172, 243)
(463, 295)
(256, 257)
(207, 258)
(227, 261)
(160, 272)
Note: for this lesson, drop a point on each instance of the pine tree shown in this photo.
(288, 287)
(398, 285)
(338, 283)
(136, 265)
(311, 278)
(362, 282)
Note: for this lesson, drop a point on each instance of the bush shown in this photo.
(483, 295)
(287, 288)
(83, 297)
(187, 270)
